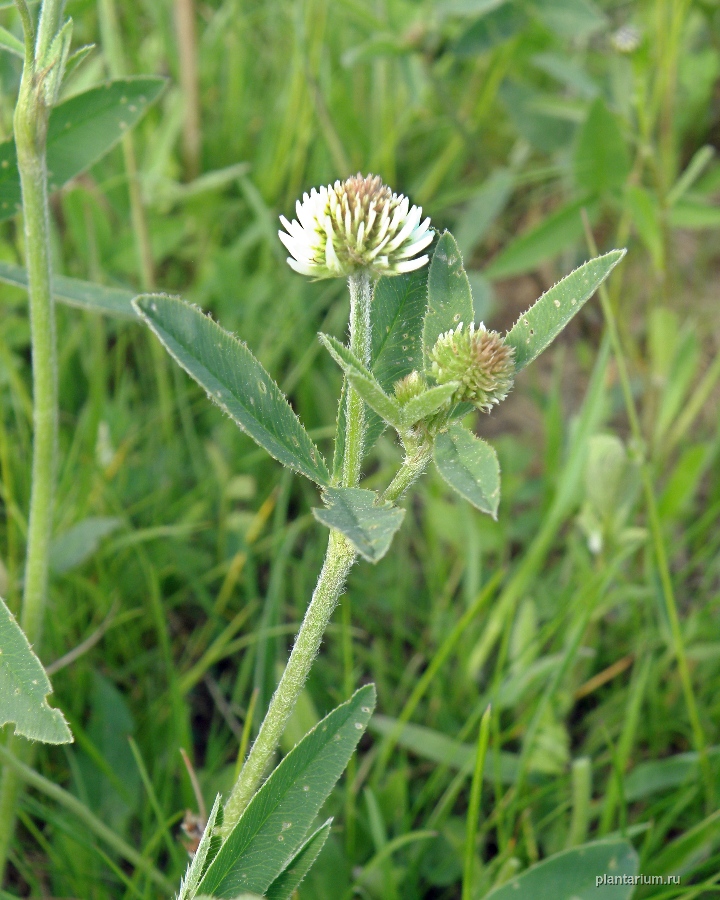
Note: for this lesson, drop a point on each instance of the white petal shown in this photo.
(410, 265)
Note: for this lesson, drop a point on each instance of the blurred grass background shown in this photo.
(190, 556)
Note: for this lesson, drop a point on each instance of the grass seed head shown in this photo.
(353, 225)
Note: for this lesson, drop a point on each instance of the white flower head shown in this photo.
(353, 225)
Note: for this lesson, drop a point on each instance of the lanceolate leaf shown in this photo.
(449, 295)
(546, 318)
(368, 527)
(234, 379)
(24, 687)
(397, 320)
(298, 867)
(276, 821)
(396, 350)
(189, 884)
(81, 131)
(427, 403)
(469, 466)
(363, 381)
(74, 292)
(572, 874)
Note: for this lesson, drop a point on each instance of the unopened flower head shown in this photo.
(410, 386)
(479, 359)
(354, 225)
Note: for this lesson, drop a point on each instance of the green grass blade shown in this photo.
(9, 42)
(278, 817)
(474, 806)
(546, 318)
(545, 241)
(234, 380)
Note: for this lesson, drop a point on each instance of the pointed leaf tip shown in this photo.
(542, 323)
(234, 379)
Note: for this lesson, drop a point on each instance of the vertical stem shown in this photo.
(361, 292)
(187, 52)
(338, 560)
(30, 124)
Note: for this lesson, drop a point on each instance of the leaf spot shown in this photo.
(262, 387)
(5, 164)
(573, 302)
(365, 709)
(359, 726)
(557, 303)
(306, 787)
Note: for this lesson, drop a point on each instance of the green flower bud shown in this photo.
(410, 386)
(479, 359)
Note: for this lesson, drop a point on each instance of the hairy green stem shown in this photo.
(30, 125)
(361, 292)
(338, 560)
(412, 468)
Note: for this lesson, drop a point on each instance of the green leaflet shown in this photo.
(234, 379)
(298, 867)
(74, 292)
(396, 341)
(449, 295)
(363, 381)
(276, 821)
(81, 131)
(470, 466)
(189, 884)
(24, 687)
(427, 403)
(546, 318)
(369, 528)
(571, 875)
(397, 320)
